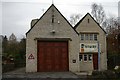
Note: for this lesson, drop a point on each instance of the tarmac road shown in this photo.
(20, 74)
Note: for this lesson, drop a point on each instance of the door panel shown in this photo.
(52, 56)
(95, 61)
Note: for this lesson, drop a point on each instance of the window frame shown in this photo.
(80, 57)
(95, 37)
(88, 20)
(82, 46)
(90, 55)
(82, 37)
(91, 37)
(86, 36)
(85, 57)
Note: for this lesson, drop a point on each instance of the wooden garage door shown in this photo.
(52, 56)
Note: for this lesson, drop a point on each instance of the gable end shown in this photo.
(45, 13)
(93, 20)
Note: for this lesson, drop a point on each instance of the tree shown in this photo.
(119, 23)
(4, 44)
(20, 57)
(111, 25)
(113, 41)
(98, 13)
(12, 38)
(14, 51)
(74, 18)
(10, 47)
(22, 47)
(1, 40)
(13, 48)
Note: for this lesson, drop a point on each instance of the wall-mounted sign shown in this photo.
(74, 61)
(88, 47)
(31, 56)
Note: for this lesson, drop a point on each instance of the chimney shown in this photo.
(33, 22)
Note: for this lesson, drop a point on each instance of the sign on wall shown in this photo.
(31, 56)
(88, 47)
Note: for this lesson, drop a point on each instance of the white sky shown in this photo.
(17, 14)
(119, 12)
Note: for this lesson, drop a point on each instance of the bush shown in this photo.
(117, 71)
(109, 74)
(103, 74)
(98, 74)
(8, 67)
(19, 61)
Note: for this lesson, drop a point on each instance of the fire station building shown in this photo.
(54, 45)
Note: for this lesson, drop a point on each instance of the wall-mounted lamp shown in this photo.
(53, 31)
(58, 22)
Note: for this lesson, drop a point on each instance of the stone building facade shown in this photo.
(92, 38)
(52, 44)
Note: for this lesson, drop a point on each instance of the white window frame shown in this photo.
(82, 37)
(95, 37)
(91, 37)
(80, 57)
(89, 57)
(86, 36)
(82, 45)
(86, 57)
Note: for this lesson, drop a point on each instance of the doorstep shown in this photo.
(84, 73)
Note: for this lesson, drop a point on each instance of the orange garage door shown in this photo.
(52, 56)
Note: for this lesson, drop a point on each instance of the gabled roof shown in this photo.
(92, 18)
(45, 13)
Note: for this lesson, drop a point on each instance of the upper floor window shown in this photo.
(52, 18)
(88, 21)
(88, 36)
(82, 36)
(91, 36)
(95, 37)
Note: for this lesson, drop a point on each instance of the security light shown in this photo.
(58, 22)
(53, 31)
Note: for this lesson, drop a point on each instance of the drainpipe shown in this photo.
(98, 55)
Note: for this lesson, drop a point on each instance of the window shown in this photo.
(90, 57)
(82, 36)
(88, 21)
(52, 18)
(82, 45)
(91, 36)
(85, 57)
(80, 57)
(86, 37)
(86, 46)
(90, 46)
(94, 46)
(95, 37)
